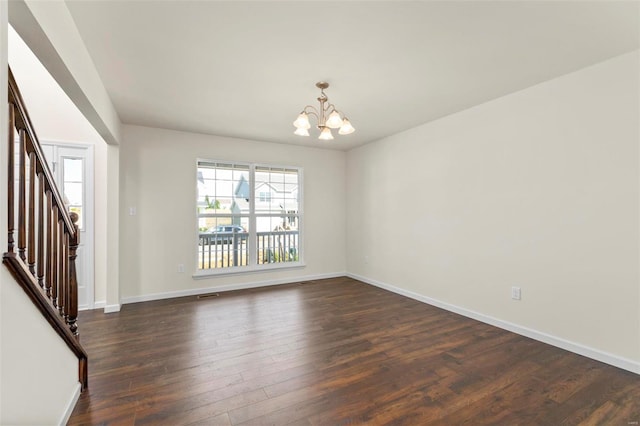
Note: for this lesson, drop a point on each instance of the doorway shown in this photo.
(72, 168)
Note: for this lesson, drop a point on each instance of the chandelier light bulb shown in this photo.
(325, 134)
(302, 122)
(301, 132)
(334, 121)
(346, 128)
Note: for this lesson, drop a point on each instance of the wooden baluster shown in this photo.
(41, 230)
(31, 226)
(73, 278)
(61, 266)
(235, 248)
(65, 281)
(54, 255)
(49, 280)
(22, 199)
(11, 178)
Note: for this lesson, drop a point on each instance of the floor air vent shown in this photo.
(208, 295)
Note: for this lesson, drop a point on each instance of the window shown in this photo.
(265, 197)
(248, 216)
(72, 186)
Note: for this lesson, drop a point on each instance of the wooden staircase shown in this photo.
(42, 261)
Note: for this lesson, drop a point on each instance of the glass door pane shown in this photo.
(72, 185)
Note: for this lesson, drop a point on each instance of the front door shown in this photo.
(72, 167)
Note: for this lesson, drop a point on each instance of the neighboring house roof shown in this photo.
(278, 187)
(241, 205)
(242, 189)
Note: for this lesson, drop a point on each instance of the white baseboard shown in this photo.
(70, 405)
(598, 355)
(100, 305)
(229, 287)
(108, 309)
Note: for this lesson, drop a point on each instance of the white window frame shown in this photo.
(252, 247)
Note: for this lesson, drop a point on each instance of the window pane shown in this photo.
(73, 193)
(223, 220)
(276, 240)
(72, 176)
(276, 190)
(219, 185)
(72, 169)
(223, 242)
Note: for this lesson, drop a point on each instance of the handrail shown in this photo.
(22, 276)
(47, 238)
(22, 119)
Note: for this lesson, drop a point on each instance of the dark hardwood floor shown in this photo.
(333, 352)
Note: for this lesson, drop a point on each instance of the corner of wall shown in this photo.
(113, 225)
(4, 77)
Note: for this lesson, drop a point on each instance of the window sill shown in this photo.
(240, 270)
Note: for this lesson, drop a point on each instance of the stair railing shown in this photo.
(42, 260)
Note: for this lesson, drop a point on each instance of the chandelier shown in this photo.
(327, 115)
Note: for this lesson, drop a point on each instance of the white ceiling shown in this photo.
(245, 69)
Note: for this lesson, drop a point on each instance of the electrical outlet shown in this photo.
(515, 293)
(366, 260)
(132, 211)
(181, 268)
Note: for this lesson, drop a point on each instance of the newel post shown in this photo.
(73, 280)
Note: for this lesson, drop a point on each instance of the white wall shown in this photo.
(538, 189)
(53, 114)
(158, 177)
(38, 373)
